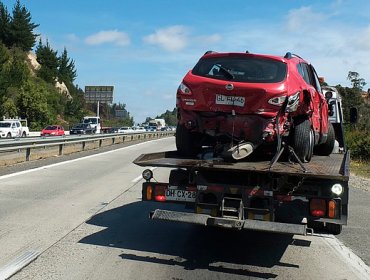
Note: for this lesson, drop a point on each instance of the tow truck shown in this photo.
(281, 194)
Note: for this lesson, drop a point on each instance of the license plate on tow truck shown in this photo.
(173, 194)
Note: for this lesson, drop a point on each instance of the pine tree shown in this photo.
(22, 29)
(4, 25)
(66, 72)
(49, 62)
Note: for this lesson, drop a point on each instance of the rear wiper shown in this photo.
(227, 72)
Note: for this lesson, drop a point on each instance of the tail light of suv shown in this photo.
(183, 89)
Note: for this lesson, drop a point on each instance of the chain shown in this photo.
(297, 186)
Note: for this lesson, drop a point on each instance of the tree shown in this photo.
(4, 25)
(356, 81)
(66, 71)
(49, 62)
(22, 29)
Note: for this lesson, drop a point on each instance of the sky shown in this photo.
(145, 48)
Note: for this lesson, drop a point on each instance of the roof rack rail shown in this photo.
(208, 52)
(289, 55)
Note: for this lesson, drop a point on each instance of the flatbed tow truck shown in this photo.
(282, 197)
(274, 195)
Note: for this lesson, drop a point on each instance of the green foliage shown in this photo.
(358, 141)
(32, 104)
(4, 25)
(66, 71)
(21, 28)
(356, 81)
(49, 62)
(169, 117)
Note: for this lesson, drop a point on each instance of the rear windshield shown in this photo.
(241, 69)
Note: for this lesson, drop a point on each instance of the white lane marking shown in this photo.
(358, 266)
(17, 264)
(138, 178)
(73, 160)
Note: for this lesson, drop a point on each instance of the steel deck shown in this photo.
(334, 166)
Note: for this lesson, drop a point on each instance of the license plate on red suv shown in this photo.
(230, 100)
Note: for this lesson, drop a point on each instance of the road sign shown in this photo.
(102, 94)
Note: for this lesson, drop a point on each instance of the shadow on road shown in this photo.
(192, 246)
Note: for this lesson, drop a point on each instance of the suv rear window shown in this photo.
(241, 69)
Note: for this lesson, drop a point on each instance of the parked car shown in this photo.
(125, 129)
(243, 102)
(82, 128)
(53, 130)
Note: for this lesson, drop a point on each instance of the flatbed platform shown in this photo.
(335, 166)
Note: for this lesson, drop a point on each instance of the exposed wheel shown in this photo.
(334, 228)
(24, 134)
(303, 140)
(187, 143)
(9, 135)
(326, 148)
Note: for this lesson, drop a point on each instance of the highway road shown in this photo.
(83, 219)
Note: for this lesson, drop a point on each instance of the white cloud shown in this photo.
(109, 36)
(303, 18)
(173, 38)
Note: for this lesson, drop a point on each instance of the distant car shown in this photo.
(138, 129)
(125, 129)
(82, 128)
(151, 128)
(53, 130)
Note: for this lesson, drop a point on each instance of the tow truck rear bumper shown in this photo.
(207, 220)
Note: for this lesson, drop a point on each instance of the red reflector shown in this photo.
(317, 213)
(160, 193)
(160, 198)
(318, 207)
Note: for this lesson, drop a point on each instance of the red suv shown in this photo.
(241, 102)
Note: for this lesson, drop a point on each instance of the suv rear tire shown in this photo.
(303, 140)
(187, 143)
(326, 148)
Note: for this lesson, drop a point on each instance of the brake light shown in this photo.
(332, 207)
(183, 89)
(318, 207)
(160, 193)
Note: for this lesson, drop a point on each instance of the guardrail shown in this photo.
(28, 144)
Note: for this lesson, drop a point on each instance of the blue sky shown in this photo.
(144, 48)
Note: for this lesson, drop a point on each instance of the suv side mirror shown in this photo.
(353, 115)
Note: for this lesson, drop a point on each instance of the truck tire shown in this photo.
(334, 229)
(24, 134)
(326, 148)
(303, 140)
(187, 143)
(9, 135)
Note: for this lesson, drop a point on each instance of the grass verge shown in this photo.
(360, 168)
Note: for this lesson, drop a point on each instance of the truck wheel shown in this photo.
(187, 143)
(303, 140)
(326, 148)
(24, 134)
(9, 135)
(334, 229)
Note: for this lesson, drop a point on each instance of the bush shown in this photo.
(359, 144)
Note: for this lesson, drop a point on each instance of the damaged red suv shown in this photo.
(239, 103)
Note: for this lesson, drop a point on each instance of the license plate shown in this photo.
(180, 195)
(230, 100)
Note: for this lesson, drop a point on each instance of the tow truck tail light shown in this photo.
(318, 207)
(332, 207)
(160, 193)
(149, 192)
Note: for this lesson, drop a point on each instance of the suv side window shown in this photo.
(305, 73)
